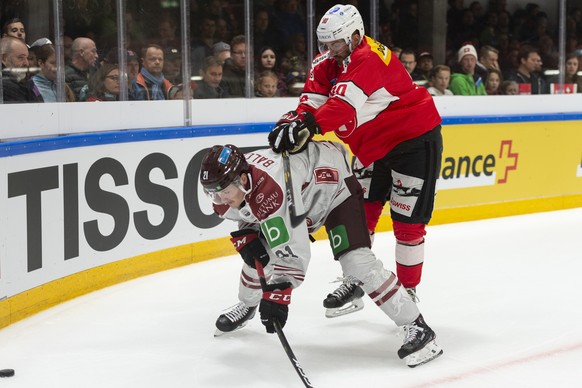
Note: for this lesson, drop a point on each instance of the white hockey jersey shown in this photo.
(322, 168)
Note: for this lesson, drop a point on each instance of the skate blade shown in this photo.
(355, 305)
(219, 333)
(424, 355)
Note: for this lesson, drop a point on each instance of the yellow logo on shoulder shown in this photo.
(380, 49)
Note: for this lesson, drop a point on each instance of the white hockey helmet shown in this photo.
(339, 22)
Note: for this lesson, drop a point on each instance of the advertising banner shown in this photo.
(492, 163)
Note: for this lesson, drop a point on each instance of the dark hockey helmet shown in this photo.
(221, 166)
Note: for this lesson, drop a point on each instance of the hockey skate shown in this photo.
(419, 344)
(234, 318)
(346, 299)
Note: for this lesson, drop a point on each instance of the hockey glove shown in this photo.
(275, 305)
(293, 131)
(247, 243)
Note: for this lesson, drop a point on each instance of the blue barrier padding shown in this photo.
(458, 120)
(20, 147)
(27, 146)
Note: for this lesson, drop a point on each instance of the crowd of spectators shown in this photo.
(488, 52)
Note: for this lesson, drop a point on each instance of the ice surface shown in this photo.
(503, 295)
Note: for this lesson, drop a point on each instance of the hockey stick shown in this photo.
(295, 218)
(281, 335)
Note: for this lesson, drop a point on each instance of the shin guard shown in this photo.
(409, 260)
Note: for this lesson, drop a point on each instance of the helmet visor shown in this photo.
(224, 196)
(337, 47)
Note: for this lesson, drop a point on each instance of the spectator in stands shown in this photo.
(468, 29)
(167, 32)
(266, 84)
(488, 34)
(289, 21)
(14, 55)
(221, 51)
(467, 82)
(42, 86)
(571, 74)
(150, 83)
(67, 48)
(510, 60)
(211, 85)
(548, 52)
(83, 61)
(264, 34)
(223, 31)
(297, 51)
(488, 58)
(508, 87)
(440, 78)
(493, 80)
(221, 11)
(408, 59)
(267, 60)
(295, 82)
(132, 63)
(104, 84)
(478, 16)
(406, 30)
(14, 28)
(172, 65)
(424, 67)
(530, 64)
(176, 92)
(454, 16)
(396, 51)
(203, 45)
(234, 69)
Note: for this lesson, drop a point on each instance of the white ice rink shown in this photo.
(503, 295)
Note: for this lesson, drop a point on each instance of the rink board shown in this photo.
(83, 212)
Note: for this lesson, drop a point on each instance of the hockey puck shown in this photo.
(6, 372)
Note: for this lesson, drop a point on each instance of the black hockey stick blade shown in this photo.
(296, 365)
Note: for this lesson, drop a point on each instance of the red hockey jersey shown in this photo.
(369, 100)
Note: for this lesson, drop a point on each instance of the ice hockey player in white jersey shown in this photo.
(250, 189)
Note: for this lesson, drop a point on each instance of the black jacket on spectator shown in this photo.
(13, 90)
(76, 79)
(203, 90)
(538, 84)
(234, 80)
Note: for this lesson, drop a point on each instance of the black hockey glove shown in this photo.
(247, 243)
(293, 131)
(275, 305)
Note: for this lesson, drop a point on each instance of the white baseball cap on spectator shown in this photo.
(467, 49)
(41, 42)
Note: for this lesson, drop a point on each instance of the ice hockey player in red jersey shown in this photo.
(249, 190)
(360, 91)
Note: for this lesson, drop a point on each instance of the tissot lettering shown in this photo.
(105, 190)
(156, 194)
(103, 201)
(31, 184)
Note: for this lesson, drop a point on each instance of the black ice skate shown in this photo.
(419, 344)
(234, 318)
(346, 299)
